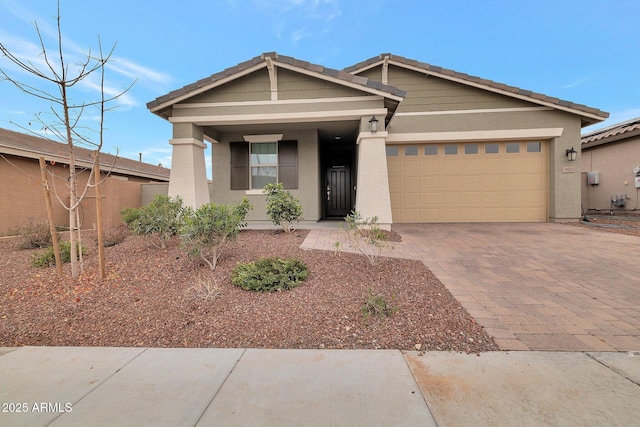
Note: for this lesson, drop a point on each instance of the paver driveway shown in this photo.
(533, 286)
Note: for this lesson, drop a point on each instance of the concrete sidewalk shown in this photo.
(69, 386)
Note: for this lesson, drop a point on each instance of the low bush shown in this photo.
(206, 288)
(47, 257)
(33, 235)
(269, 274)
(115, 235)
(377, 305)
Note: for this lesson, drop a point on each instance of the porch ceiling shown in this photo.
(332, 130)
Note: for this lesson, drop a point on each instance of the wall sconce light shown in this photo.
(373, 124)
(571, 154)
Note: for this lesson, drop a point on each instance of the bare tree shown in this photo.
(59, 78)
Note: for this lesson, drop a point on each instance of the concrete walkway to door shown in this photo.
(531, 286)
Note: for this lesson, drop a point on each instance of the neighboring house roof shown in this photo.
(589, 115)
(612, 133)
(29, 146)
(264, 60)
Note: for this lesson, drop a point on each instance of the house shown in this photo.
(611, 168)
(22, 196)
(390, 137)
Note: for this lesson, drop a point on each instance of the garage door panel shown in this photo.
(451, 165)
(491, 181)
(451, 197)
(472, 198)
(513, 164)
(471, 181)
(411, 215)
(471, 185)
(430, 198)
(449, 214)
(410, 199)
(492, 164)
(411, 182)
(430, 181)
(411, 165)
(534, 180)
(450, 181)
(492, 198)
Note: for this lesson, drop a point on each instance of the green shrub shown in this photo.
(282, 207)
(206, 230)
(162, 218)
(33, 235)
(377, 305)
(47, 257)
(269, 274)
(130, 215)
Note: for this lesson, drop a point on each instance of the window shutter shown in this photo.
(239, 165)
(288, 164)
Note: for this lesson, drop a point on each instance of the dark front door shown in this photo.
(338, 191)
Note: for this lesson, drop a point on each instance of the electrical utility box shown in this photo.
(637, 181)
(593, 178)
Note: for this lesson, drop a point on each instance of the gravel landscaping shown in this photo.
(162, 298)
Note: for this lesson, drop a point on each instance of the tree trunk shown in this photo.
(97, 178)
(52, 226)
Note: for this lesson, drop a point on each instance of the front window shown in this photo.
(264, 164)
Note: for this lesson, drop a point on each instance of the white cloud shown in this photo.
(317, 14)
(124, 71)
(152, 155)
(578, 82)
(132, 70)
(298, 35)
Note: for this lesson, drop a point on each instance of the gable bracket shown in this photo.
(385, 71)
(273, 78)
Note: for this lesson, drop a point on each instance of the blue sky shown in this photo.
(585, 51)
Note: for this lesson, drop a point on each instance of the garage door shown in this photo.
(468, 182)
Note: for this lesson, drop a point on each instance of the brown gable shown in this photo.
(30, 146)
(589, 115)
(319, 70)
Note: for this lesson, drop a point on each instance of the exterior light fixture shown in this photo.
(373, 124)
(571, 154)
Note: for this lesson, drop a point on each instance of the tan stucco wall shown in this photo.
(308, 175)
(22, 199)
(615, 161)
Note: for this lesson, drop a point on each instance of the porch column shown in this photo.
(372, 195)
(188, 178)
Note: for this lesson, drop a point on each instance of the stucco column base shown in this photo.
(188, 177)
(372, 195)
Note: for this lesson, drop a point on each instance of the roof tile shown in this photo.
(611, 131)
(47, 147)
